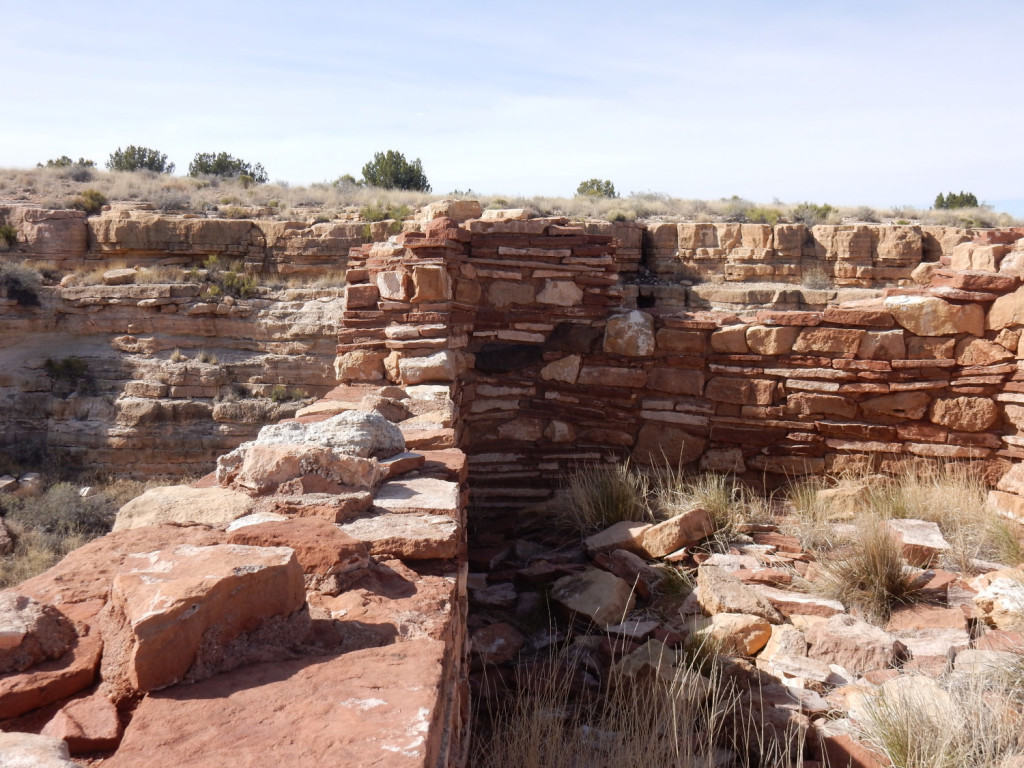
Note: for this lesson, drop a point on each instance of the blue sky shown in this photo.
(879, 103)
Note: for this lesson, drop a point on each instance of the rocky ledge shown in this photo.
(303, 605)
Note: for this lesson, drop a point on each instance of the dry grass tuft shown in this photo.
(725, 497)
(868, 575)
(602, 495)
(960, 721)
(682, 719)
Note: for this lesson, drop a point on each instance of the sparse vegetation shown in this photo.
(21, 283)
(813, 213)
(8, 235)
(390, 170)
(225, 279)
(90, 200)
(381, 211)
(596, 188)
(177, 356)
(66, 162)
(868, 576)
(227, 166)
(761, 215)
(137, 158)
(279, 393)
(601, 495)
(70, 375)
(46, 527)
(207, 357)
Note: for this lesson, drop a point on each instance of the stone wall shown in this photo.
(555, 368)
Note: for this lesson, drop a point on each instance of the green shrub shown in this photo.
(596, 188)
(812, 213)
(227, 166)
(90, 200)
(346, 180)
(8, 235)
(230, 280)
(279, 393)
(762, 215)
(137, 158)
(70, 374)
(381, 211)
(66, 162)
(956, 200)
(20, 283)
(390, 170)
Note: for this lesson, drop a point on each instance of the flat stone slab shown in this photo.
(424, 495)
(379, 706)
(407, 536)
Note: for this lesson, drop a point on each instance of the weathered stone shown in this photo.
(608, 376)
(680, 342)
(921, 541)
(658, 442)
(730, 340)
(596, 594)
(785, 640)
(30, 750)
(407, 536)
(720, 592)
(393, 285)
(676, 381)
(1006, 311)
(679, 531)
(31, 632)
(1001, 602)
(431, 283)
(814, 404)
(970, 351)
(882, 345)
(965, 414)
(736, 633)
(854, 644)
(504, 293)
(565, 370)
(728, 389)
(353, 433)
(561, 293)
(930, 316)
(377, 704)
(497, 643)
(835, 341)
(440, 366)
(119, 276)
(360, 365)
(216, 507)
(89, 724)
(972, 661)
(626, 534)
(902, 405)
(631, 335)
(320, 547)
(166, 607)
(771, 340)
(797, 603)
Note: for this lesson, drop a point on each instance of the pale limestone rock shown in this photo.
(419, 495)
(785, 640)
(931, 316)
(562, 293)
(407, 536)
(626, 534)
(630, 334)
(720, 592)
(771, 340)
(565, 370)
(30, 750)
(393, 286)
(854, 644)
(1002, 602)
(731, 340)
(119, 276)
(431, 283)
(456, 210)
(921, 541)
(735, 633)
(560, 432)
(360, 365)
(355, 433)
(31, 632)
(977, 662)
(216, 507)
(679, 531)
(598, 595)
(440, 366)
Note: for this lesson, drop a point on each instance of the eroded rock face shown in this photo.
(216, 507)
(854, 644)
(354, 433)
(31, 632)
(720, 592)
(166, 605)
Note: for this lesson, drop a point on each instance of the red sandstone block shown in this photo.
(775, 317)
(877, 318)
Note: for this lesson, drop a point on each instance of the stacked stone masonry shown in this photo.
(491, 353)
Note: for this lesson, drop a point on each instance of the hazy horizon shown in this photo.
(863, 103)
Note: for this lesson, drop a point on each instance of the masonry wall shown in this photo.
(555, 369)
